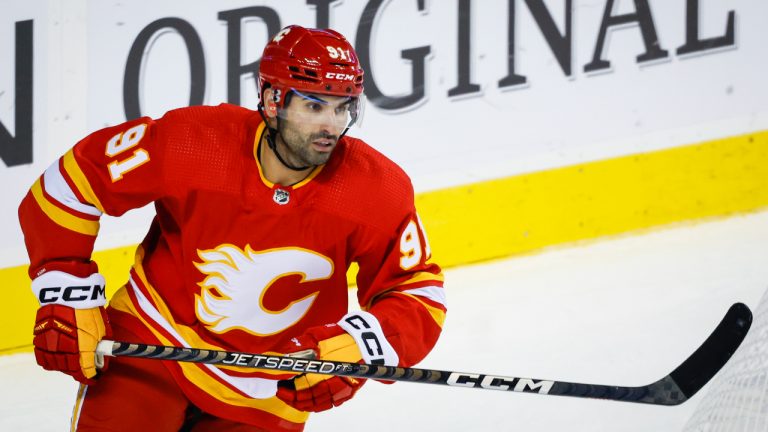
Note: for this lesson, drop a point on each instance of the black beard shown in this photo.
(300, 154)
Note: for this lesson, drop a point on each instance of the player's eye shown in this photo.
(314, 107)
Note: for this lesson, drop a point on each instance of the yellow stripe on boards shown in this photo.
(528, 212)
(17, 313)
(525, 213)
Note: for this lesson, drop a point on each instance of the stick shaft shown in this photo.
(672, 389)
(380, 372)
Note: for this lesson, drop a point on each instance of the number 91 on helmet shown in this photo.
(317, 73)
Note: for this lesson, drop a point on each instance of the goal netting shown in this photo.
(737, 399)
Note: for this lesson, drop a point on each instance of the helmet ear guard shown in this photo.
(269, 105)
(271, 110)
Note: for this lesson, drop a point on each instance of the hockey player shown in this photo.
(259, 216)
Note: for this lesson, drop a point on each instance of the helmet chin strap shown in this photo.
(271, 134)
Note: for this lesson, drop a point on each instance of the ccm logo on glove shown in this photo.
(368, 338)
(70, 294)
(56, 287)
(367, 332)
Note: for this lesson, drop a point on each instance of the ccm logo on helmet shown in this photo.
(339, 76)
(71, 293)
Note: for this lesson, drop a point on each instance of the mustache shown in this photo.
(323, 135)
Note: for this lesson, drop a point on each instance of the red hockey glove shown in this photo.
(70, 322)
(357, 337)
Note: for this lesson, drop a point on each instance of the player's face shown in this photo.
(310, 126)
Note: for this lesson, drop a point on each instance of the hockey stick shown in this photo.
(673, 389)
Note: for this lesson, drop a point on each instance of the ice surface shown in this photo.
(623, 311)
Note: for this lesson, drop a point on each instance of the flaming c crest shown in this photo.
(236, 280)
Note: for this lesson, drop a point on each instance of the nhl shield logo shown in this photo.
(281, 196)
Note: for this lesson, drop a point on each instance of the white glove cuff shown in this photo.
(367, 332)
(57, 287)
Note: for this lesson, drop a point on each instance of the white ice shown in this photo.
(621, 311)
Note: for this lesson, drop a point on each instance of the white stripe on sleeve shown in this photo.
(59, 189)
(436, 294)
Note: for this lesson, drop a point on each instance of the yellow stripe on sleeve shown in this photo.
(437, 314)
(61, 217)
(424, 276)
(80, 180)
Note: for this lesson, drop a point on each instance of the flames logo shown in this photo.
(236, 281)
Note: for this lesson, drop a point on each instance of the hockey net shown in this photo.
(737, 399)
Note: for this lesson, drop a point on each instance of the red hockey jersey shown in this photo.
(232, 261)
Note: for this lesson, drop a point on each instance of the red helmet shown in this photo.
(312, 61)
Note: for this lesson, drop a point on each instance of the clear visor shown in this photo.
(333, 112)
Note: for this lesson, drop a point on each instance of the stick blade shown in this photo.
(714, 353)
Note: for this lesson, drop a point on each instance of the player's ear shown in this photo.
(270, 106)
